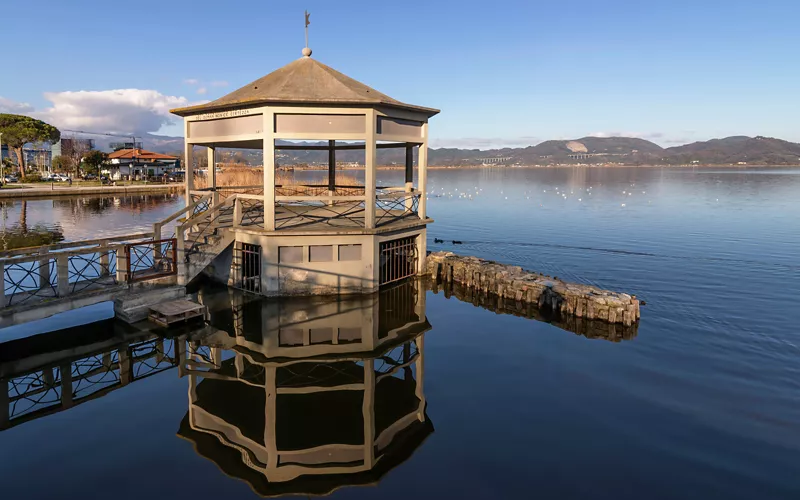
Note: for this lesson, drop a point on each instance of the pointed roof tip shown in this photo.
(303, 81)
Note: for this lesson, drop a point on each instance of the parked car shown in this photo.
(9, 179)
(59, 178)
(175, 177)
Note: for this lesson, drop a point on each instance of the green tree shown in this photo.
(19, 130)
(60, 163)
(95, 159)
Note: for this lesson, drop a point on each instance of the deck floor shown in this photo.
(330, 218)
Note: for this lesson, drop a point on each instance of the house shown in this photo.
(134, 164)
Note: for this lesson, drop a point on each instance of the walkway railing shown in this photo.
(32, 275)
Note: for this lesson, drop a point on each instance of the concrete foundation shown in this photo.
(297, 264)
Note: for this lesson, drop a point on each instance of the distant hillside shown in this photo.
(591, 150)
(597, 145)
(765, 150)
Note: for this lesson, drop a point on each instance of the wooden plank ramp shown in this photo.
(176, 311)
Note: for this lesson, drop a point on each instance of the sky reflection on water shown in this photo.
(702, 401)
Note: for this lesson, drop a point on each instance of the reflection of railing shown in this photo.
(151, 259)
(58, 387)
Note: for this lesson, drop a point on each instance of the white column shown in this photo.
(187, 156)
(422, 165)
(409, 177)
(369, 171)
(212, 174)
(269, 171)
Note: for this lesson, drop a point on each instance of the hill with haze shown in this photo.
(587, 150)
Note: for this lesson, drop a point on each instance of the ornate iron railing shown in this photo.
(31, 278)
(252, 212)
(298, 213)
(153, 259)
(393, 207)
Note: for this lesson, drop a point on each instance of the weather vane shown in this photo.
(308, 21)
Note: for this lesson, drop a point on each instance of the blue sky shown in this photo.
(502, 72)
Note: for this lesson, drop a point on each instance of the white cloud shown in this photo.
(111, 111)
(191, 81)
(219, 83)
(202, 90)
(14, 107)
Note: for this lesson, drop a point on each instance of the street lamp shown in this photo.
(2, 165)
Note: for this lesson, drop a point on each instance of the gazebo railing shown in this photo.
(396, 206)
(301, 206)
(339, 212)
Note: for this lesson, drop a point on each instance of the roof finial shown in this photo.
(306, 50)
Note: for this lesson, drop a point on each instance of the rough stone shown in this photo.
(517, 284)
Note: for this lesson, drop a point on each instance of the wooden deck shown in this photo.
(330, 219)
(176, 311)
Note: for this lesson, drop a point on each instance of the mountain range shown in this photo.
(587, 150)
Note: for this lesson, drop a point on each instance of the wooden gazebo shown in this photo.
(311, 102)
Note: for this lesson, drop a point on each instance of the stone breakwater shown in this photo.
(589, 328)
(549, 294)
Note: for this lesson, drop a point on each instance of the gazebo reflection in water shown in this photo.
(305, 397)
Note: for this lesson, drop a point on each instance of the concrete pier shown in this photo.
(549, 294)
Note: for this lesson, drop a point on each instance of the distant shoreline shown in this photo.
(50, 192)
(473, 167)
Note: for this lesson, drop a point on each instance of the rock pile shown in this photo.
(549, 294)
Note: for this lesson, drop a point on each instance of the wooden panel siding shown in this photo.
(319, 124)
(398, 127)
(242, 125)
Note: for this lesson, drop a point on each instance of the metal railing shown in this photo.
(48, 275)
(147, 260)
(398, 260)
(32, 275)
(296, 207)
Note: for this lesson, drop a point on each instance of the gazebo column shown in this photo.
(369, 170)
(269, 171)
(212, 174)
(409, 177)
(422, 165)
(189, 177)
(331, 170)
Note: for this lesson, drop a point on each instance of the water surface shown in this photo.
(702, 402)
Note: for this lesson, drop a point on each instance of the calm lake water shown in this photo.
(703, 402)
